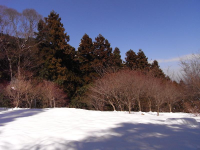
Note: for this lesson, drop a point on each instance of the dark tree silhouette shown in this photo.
(85, 58)
(116, 59)
(52, 49)
(131, 60)
(142, 61)
(102, 53)
(156, 71)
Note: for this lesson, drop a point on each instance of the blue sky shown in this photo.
(164, 29)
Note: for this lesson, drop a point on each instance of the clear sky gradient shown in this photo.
(163, 29)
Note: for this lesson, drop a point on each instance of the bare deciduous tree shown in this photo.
(20, 28)
(148, 90)
(25, 93)
(17, 90)
(118, 89)
(53, 93)
(191, 79)
(157, 92)
(101, 92)
(126, 87)
(172, 94)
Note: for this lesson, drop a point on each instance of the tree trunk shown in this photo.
(158, 110)
(149, 105)
(17, 103)
(129, 108)
(120, 107)
(54, 103)
(138, 100)
(112, 105)
(29, 103)
(50, 103)
(139, 106)
(170, 108)
(18, 67)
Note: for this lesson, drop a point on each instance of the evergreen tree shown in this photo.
(116, 60)
(131, 60)
(58, 58)
(103, 53)
(85, 56)
(156, 71)
(142, 61)
(53, 44)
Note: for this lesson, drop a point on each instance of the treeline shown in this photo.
(39, 68)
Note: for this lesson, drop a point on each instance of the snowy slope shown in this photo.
(77, 129)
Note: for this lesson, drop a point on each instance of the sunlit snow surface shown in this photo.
(77, 129)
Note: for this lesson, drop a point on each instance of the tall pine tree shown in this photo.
(142, 61)
(102, 52)
(116, 59)
(86, 57)
(52, 48)
(131, 60)
(156, 71)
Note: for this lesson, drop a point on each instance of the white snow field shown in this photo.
(77, 129)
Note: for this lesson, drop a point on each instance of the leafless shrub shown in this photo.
(17, 90)
(4, 101)
(26, 92)
(53, 94)
(192, 107)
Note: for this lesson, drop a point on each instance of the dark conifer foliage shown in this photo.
(131, 60)
(102, 53)
(58, 58)
(72, 79)
(142, 61)
(52, 48)
(116, 60)
(156, 71)
(139, 61)
(85, 57)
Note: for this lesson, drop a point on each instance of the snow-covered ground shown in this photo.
(77, 129)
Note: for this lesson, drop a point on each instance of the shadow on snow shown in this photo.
(10, 116)
(129, 136)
